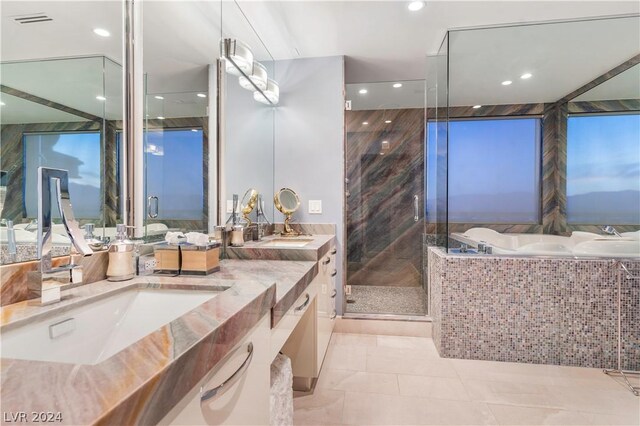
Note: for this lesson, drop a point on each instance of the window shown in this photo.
(603, 169)
(494, 170)
(175, 173)
(77, 152)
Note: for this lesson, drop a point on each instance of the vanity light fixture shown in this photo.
(506, 82)
(101, 98)
(477, 106)
(387, 121)
(414, 6)
(397, 85)
(101, 32)
(526, 76)
(272, 92)
(239, 53)
(201, 95)
(159, 97)
(258, 76)
(363, 91)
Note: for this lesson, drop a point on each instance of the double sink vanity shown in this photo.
(174, 349)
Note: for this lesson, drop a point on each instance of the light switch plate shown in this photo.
(315, 206)
(229, 206)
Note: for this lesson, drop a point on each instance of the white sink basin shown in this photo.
(286, 242)
(91, 333)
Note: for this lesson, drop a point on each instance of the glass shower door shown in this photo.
(385, 194)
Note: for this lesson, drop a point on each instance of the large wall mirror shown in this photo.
(61, 106)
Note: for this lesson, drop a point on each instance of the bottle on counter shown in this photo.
(237, 236)
(121, 257)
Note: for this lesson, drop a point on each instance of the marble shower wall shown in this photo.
(385, 169)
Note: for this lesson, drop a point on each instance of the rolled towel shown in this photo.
(174, 237)
(197, 238)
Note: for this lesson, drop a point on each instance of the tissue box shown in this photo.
(167, 258)
(200, 260)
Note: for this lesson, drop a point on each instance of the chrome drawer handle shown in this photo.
(334, 273)
(334, 251)
(304, 305)
(334, 314)
(326, 261)
(224, 386)
(334, 293)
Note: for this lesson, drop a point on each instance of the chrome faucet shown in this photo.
(608, 229)
(12, 249)
(46, 281)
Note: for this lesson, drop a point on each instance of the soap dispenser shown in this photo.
(121, 252)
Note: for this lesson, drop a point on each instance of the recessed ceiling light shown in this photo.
(160, 117)
(397, 85)
(159, 97)
(194, 130)
(477, 106)
(364, 123)
(387, 121)
(101, 98)
(101, 32)
(506, 82)
(526, 75)
(362, 91)
(415, 5)
(201, 95)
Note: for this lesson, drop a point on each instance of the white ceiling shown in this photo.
(383, 41)
(384, 96)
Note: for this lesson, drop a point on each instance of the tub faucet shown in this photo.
(608, 229)
(12, 249)
(47, 280)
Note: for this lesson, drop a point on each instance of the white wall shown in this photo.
(309, 142)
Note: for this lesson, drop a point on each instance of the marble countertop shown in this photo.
(312, 251)
(141, 383)
(291, 277)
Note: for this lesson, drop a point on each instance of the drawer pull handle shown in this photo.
(304, 305)
(334, 314)
(334, 251)
(334, 293)
(326, 261)
(224, 386)
(334, 273)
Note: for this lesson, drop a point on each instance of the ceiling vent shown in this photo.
(32, 18)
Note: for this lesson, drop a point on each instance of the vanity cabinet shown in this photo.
(244, 397)
(326, 304)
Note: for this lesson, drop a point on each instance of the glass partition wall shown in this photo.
(543, 138)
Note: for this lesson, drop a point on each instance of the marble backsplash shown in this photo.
(13, 282)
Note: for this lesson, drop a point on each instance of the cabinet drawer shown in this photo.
(281, 332)
(244, 397)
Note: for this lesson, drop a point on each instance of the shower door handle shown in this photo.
(152, 212)
(416, 212)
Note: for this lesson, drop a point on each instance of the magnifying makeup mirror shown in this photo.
(248, 203)
(287, 201)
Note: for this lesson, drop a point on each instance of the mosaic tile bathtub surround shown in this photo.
(545, 311)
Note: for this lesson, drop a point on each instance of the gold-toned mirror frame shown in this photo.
(287, 232)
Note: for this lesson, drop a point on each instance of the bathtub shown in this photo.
(579, 244)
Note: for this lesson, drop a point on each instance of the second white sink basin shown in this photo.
(286, 242)
(91, 333)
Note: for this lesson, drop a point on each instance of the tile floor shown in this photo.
(391, 380)
(376, 299)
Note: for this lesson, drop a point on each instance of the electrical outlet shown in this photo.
(229, 206)
(347, 290)
(315, 206)
(150, 264)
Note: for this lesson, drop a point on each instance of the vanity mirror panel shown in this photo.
(61, 102)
